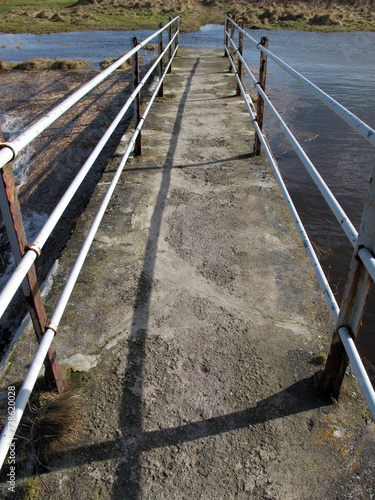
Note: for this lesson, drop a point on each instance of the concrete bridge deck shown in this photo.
(197, 324)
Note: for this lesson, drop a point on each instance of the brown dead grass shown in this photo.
(43, 64)
(54, 423)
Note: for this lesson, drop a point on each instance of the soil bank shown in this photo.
(197, 324)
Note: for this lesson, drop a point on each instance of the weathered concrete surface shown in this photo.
(200, 323)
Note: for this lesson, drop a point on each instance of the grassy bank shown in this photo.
(53, 16)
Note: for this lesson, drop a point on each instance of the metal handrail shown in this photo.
(359, 369)
(30, 256)
(11, 149)
(12, 424)
(364, 254)
(327, 194)
(324, 285)
(362, 128)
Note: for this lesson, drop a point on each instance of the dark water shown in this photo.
(342, 64)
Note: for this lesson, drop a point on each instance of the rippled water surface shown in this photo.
(342, 64)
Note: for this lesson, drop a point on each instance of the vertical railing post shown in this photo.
(353, 304)
(11, 211)
(169, 41)
(161, 89)
(231, 49)
(137, 100)
(176, 30)
(260, 102)
(226, 27)
(239, 67)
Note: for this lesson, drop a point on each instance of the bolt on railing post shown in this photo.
(161, 90)
(170, 46)
(260, 101)
(176, 30)
(12, 216)
(226, 27)
(137, 100)
(239, 67)
(354, 300)
(231, 49)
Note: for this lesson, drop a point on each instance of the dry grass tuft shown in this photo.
(54, 423)
(324, 20)
(107, 62)
(70, 64)
(6, 66)
(34, 64)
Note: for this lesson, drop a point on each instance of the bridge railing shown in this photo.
(25, 253)
(348, 317)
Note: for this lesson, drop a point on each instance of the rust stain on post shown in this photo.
(137, 100)
(30, 288)
(161, 90)
(226, 27)
(239, 67)
(231, 50)
(354, 301)
(352, 310)
(176, 29)
(260, 103)
(170, 47)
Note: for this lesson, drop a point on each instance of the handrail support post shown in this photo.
(354, 300)
(170, 46)
(176, 30)
(239, 67)
(10, 208)
(260, 102)
(137, 100)
(231, 49)
(226, 27)
(161, 89)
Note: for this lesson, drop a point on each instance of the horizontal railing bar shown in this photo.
(327, 194)
(350, 118)
(368, 261)
(22, 269)
(324, 285)
(22, 398)
(359, 369)
(7, 154)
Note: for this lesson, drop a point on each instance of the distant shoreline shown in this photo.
(90, 15)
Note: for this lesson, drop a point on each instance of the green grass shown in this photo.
(53, 16)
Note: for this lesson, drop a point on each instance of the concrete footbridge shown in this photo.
(195, 329)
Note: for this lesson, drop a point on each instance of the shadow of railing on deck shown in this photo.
(297, 398)
(128, 474)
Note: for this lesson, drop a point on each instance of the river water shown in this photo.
(342, 64)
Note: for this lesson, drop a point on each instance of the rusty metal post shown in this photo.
(226, 27)
(176, 30)
(260, 102)
(10, 208)
(137, 100)
(161, 90)
(239, 67)
(231, 50)
(353, 305)
(169, 41)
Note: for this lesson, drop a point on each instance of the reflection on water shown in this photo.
(342, 64)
